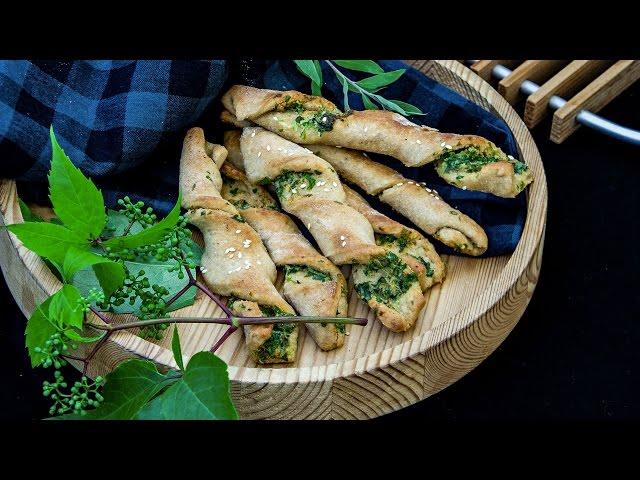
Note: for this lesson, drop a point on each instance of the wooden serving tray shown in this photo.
(377, 371)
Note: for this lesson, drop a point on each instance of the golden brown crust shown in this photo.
(343, 234)
(418, 203)
(287, 246)
(415, 251)
(235, 262)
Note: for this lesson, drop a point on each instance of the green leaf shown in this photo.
(39, 330)
(345, 92)
(157, 273)
(76, 337)
(408, 108)
(46, 239)
(76, 200)
(150, 235)
(203, 393)
(64, 309)
(128, 388)
(368, 66)
(380, 80)
(308, 68)
(27, 214)
(368, 104)
(389, 105)
(110, 275)
(177, 349)
(316, 88)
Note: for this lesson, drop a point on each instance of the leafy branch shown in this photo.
(366, 87)
(107, 259)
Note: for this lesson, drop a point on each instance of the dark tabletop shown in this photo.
(572, 356)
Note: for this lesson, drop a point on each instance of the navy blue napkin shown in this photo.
(122, 123)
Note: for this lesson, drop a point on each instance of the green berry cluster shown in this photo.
(136, 212)
(84, 393)
(95, 295)
(53, 350)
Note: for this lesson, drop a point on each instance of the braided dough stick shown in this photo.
(309, 188)
(287, 246)
(378, 131)
(409, 244)
(244, 273)
(419, 204)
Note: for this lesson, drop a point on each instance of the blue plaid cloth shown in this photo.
(122, 123)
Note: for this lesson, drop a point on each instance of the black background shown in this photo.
(573, 354)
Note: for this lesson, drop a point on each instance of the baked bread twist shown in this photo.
(418, 203)
(309, 188)
(313, 285)
(466, 161)
(235, 262)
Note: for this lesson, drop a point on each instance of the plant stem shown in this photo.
(234, 321)
(222, 339)
(209, 293)
(99, 314)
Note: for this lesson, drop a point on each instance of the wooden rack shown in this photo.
(588, 84)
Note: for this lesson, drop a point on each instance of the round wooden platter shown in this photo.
(377, 371)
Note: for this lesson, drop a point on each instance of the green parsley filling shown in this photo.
(392, 283)
(472, 159)
(289, 180)
(291, 270)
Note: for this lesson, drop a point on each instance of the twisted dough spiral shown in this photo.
(309, 188)
(230, 268)
(313, 285)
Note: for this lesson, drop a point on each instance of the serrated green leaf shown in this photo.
(308, 69)
(177, 349)
(408, 108)
(46, 239)
(203, 393)
(368, 66)
(380, 80)
(150, 235)
(27, 214)
(128, 388)
(368, 104)
(110, 275)
(76, 337)
(76, 200)
(64, 309)
(39, 330)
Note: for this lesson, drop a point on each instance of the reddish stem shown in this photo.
(222, 339)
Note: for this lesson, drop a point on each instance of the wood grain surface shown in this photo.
(377, 371)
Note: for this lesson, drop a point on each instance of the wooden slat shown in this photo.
(534, 70)
(594, 97)
(566, 82)
(483, 68)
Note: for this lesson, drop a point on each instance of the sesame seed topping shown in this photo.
(259, 153)
(259, 262)
(203, 270)
(237, 231)
(510, 157)
(365, 129)
(275, 118)
(338, 146)
(418, 142)
(320, 184)
(343, 243)
(268, 148)
(324, 119)
(309, 225)
(428, 189)
(443, 144)
(341, 237)
(448, 147)
(398, 184)
(293, 190)
(464, 187)
(239, 254)
(410, 182)
(303, 186)
(231, 256)
(253, 134)
(247, 267)
(334, 184)
(229, 272)
(327, 189)
(279, 149)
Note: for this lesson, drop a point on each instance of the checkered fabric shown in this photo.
(122, 123)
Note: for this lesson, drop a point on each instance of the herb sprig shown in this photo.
(367, 87)
(104, 260)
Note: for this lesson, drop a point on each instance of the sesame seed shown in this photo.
(418, 142)
(268, 148)
(203, 270)
(303, 186)
(334, 184)
(309, 225)
(231, 256)
(279, 149)
(247, 262)
(338, 146)
(341, 237)
(253, 134)
(365, 129)
(320, 184)
(347, 333)
(443, 144)
(324, 119)
(259, 153)
(428, 189)
(343, 243)
(510, 157)
(327, 189)
(239, 254)
(247, 267)
(275, 118)
(238, 269)
(293, 190)
(464, 187)
(449, 147)
(398, 184)
(237, 231)
(410, 182)
(259, 262)
(229, 272)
